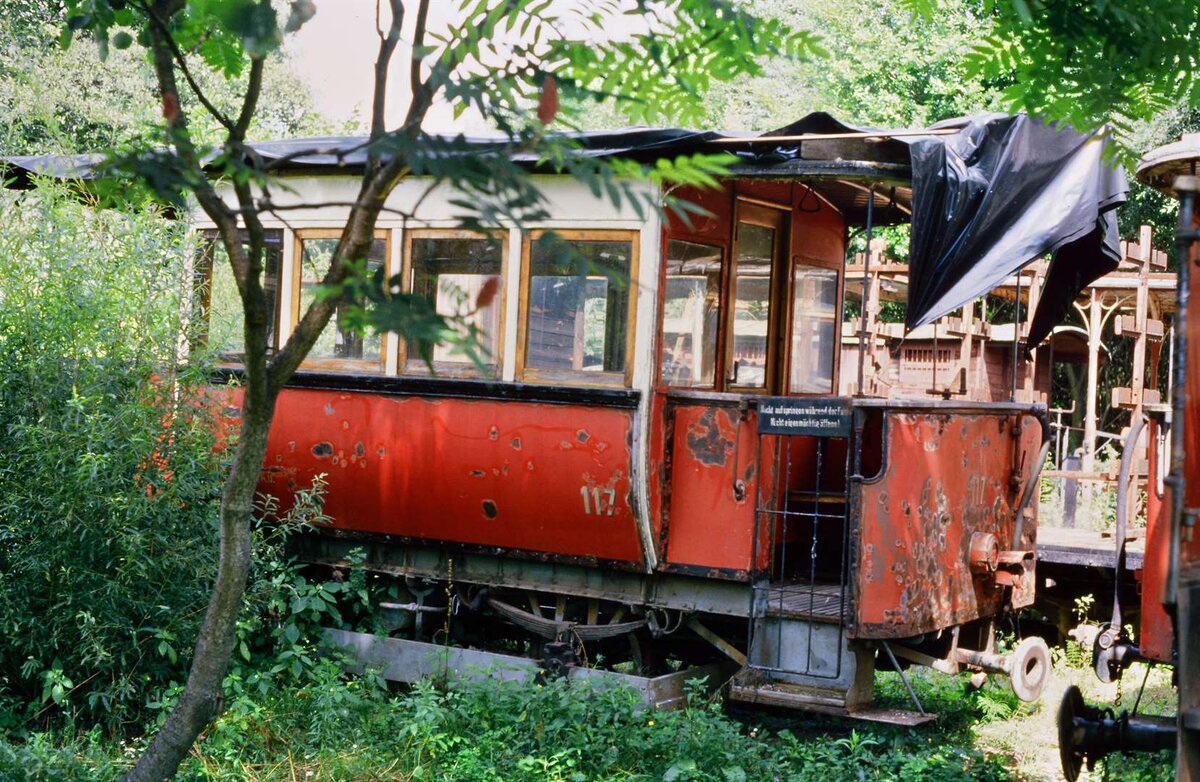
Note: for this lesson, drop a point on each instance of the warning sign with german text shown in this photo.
(809, 417)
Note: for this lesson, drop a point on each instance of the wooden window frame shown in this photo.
(661, 315)
(466, 370)
(210, 238)
(779, 289)
(299, 236)
(570, 376)
(795, 261)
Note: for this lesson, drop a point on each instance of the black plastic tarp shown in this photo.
(996, 196)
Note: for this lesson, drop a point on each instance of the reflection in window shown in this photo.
(814, 313)
(222, 305)
(690, 312)
(752, 304)
(576, 322)
(451, 272)
(336, 341)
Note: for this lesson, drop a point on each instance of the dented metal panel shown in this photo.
(713, 484)
(948, 479)
(527, 476)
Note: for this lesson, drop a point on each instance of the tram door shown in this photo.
(754, 352)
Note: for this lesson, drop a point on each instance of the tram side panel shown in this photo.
(1156, 638)
(532, 477)
(935, 533)
(714, 480)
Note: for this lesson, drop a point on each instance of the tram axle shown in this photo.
(1087, 734)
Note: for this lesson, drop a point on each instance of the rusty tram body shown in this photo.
(662, 474)
(1169, 605)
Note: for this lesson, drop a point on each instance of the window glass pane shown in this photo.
(451, 273)
(223, 305)
(335, 342)
(752, 304)
(814, 313)
(691, 308)
(578, 323)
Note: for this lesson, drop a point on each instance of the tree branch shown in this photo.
(387, 47)
(250, 104)
(159, 24)
(422, 91)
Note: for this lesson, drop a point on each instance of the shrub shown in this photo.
(107, 484)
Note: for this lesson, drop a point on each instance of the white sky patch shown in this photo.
(334, 53)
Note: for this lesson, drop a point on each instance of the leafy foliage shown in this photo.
(109, 485)
(494, 730)
(1089, 63)
(55, 100)
(883, 67)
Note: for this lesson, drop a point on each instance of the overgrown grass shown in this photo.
(502, 731)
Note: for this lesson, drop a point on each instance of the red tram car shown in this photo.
(1169, 627)
(656, 471)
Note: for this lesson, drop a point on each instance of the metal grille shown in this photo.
(807, 527)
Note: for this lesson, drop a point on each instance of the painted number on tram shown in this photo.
(597, 501)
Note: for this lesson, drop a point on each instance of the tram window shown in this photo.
(578, 310)
(451, 269)
(315, 251)
(751, 304)
(219, 299)
(814, 313)
(691, 308)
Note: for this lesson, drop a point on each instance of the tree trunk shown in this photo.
(201, 699)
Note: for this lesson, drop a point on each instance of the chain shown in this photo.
(1120, 690)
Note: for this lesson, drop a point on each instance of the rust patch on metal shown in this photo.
(323, 450)
(582, 436)
(706, 442)
(478, 473)
(516, 443)
(493, 433)
(489, 509)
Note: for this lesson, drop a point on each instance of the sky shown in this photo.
(335, 54)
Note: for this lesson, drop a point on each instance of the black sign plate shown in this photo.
(809, 417)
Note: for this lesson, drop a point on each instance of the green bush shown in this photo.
(108, 479)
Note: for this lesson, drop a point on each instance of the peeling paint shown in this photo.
(706, 442)
(322, 450)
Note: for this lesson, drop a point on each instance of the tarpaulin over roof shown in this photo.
(996, 196)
